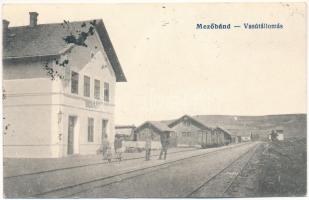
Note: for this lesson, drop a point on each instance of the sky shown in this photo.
(174, 69)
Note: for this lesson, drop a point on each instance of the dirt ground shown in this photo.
(278, 169)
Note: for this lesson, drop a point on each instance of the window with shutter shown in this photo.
(86, 86)
(97, 89)
(106, 92)
(74, 82)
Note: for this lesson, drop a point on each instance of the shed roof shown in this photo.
(196, 121)
(125, 127)
(157, 125)
(224, 130)
(47, 40)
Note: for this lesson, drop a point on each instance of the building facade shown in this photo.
(190, 132)
(224, 136)
(235, 139)
(154, 130)
(71, 114)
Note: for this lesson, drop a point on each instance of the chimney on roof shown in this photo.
(33, 19)
(5, 29)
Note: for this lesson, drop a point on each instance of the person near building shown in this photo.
(118, 148)
(148, 148)
(105, 146)
(109, 154)
(164, 145)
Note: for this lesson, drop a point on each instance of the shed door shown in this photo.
(72, 120)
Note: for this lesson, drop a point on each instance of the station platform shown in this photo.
(52, 178)
(20, 166)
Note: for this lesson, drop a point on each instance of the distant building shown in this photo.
(241, 135)
(190, 132)
(61, 117)
(127, 133)
(153, 130)
(225, 136)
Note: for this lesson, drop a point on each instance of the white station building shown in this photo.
(46, 118)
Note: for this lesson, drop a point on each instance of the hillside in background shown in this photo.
(294, 125)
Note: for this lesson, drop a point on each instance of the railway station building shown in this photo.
(66, 116)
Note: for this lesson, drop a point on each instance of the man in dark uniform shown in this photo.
(118, 147)
(164, 144)
(148, 148)
(105, 146)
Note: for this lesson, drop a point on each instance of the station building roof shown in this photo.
(46, 40)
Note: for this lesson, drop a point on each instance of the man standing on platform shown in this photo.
(148, 148)
(118, 148)
(164, 145)
(105, 146)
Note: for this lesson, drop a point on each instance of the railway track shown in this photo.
(75, 189)
(226, 188)
(240, 171)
